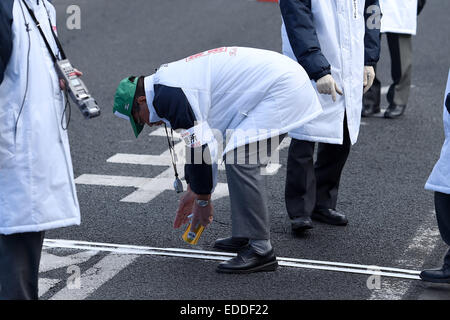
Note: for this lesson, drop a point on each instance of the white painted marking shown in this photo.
(140, 159)
(112, 181)
(45, 285)
(147, 188)
(95, 277)
(285, 143)
(150, 188)
(385, 89)
(213, 255)
(421, 246)
(53, 262)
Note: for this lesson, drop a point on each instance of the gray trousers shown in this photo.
(400, 49)
(20, 255)
(247, 187)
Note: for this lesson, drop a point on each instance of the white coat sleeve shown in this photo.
(201, 166)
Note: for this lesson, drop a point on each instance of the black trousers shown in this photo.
(400, 49)
(312, 185)
(442, 208)
(20, 255)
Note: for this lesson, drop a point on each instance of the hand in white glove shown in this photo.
(327, 85)
(369, 77)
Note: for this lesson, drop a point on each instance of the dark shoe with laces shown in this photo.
(249, 261)
(329, 216)
(441, 275)
(231, 244)
(394, 111)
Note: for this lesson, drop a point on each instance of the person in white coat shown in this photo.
(37, 190)
(247, 98)
(399, 23)
(337, 42)
(439, 182)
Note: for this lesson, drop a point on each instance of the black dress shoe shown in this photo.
(441, 275)
(248, 261)
(231, 244)
(394, 111)
(370, 109)
(329, 216)
(301, 224)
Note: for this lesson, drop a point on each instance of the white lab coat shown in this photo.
(247, 89)
(439, 179)
(399, 16)
(340, 28)
(257, 94)
(37, 190)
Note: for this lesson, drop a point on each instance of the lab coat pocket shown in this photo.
(7, 139)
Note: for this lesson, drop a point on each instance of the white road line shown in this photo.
(52, 262)
(147, 188)
(141, 159)
(427, 237)
(46, 284)
(96, 276)
(212, 255)
(150, 188)
(112, 181)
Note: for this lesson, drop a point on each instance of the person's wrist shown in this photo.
(203, 196)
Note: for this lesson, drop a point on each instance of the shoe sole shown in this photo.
(229, 249)
(301, 228)
(368, 115)
(436, 280)
(268, 267)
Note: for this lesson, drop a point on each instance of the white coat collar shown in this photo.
(150, 95)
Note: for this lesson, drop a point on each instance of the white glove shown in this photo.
(327, 85)
(369, 77)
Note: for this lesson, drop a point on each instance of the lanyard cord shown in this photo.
(28, 72)
(171, 149)
(53, 56)
(38, 25)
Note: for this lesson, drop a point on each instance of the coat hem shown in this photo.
(435, 188)
(398, 30)
(269, 134)
(315, 138)
(41, 227)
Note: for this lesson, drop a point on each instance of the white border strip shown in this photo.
(221, 256)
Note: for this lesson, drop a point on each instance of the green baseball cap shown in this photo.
(123, 102)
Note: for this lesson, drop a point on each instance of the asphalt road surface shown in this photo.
(124, 184)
